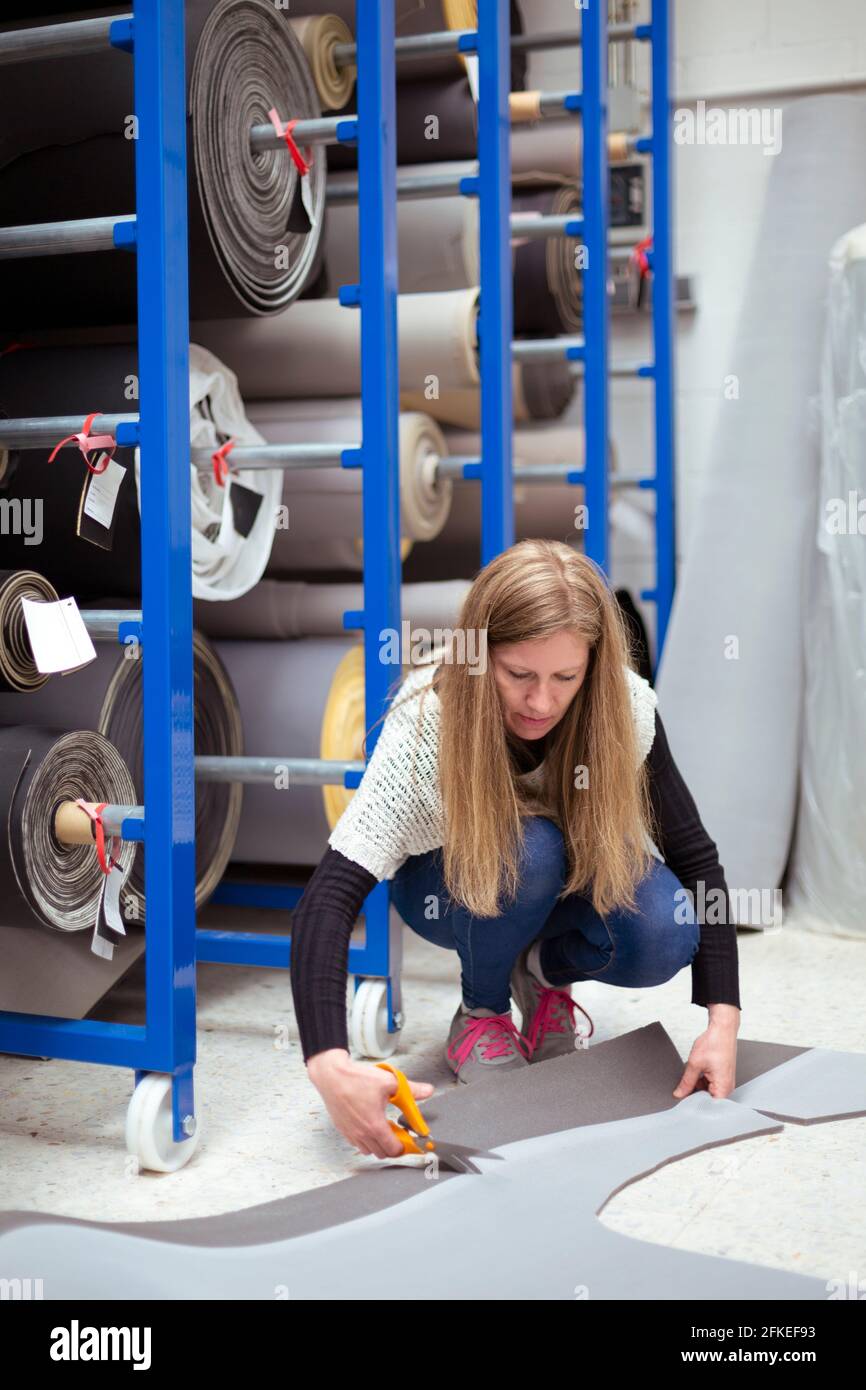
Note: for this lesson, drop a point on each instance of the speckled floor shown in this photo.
(793, 1200)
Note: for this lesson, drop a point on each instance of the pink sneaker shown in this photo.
(547, 1015)
(481, 1042)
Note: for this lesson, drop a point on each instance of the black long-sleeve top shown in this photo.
(323, 919)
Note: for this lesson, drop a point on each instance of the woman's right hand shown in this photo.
(356, 1094)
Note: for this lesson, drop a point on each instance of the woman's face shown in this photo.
(538, 680)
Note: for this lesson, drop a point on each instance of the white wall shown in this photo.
(728, 52)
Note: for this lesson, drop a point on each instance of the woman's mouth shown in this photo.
(533, 723)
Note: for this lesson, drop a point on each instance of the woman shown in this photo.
(549, 765)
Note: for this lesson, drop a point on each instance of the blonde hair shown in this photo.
(532, 590)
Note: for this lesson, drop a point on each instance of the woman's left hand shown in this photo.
(712, 1064)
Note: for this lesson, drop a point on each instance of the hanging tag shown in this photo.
(102, 491)
(307, 198)
(299, 219)
(111, 900)
(104, 936)
(58, 638)
(98, 505)
(245, 504)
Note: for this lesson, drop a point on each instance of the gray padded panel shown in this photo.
(523, 1228)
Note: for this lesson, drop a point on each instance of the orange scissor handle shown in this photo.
(405, 1101)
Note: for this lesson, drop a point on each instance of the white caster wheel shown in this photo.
(148, 1127)
(368, 1021)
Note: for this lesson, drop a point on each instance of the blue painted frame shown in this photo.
(166, 1043)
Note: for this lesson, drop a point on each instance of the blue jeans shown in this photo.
(630, 949)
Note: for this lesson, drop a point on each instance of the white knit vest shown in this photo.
(396, 811)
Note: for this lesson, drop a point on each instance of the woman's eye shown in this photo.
(522, 676)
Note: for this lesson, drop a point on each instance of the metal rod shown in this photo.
(568, 38)
(523, 224)
(343, 188)
(253, 457)
(318, 132)
(452, 40)
(57, 40)
(47, 431)
(544, 349)
(620, 369)
(60, 238)
(102, 623)
(302, 772)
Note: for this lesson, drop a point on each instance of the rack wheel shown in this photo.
(148, 1127)
(368, 1021)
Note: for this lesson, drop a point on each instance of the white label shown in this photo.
(58, 637)
(101, 496)
(111, 900)
(307, 198)
(100, 945)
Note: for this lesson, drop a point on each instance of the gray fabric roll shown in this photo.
(65, 156)
(324, 506)
(315, 348)
(724, 715)
(282, 610)
(106, 696)
(282, 691)
(540, 509)
(437, 244)
(42, 880)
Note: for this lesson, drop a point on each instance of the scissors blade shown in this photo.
(456, 1156)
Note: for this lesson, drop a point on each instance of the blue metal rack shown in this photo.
(158, 236)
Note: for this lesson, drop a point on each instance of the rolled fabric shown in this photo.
(437, 244)
(431, 17)
(282, 609)
(551, 151)
(290, 824)
(66, 158)
(548, 289)
(314, 349)
(325, 519)
(107, 696)
(18, 670)
(539, 391)
(56, 884)
(540, 509)
(319, 35)
(227, 558)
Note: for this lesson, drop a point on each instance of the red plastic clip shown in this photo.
(639, 254)
(95, 814)
(218, 459)
(285, 132)
(87, 441)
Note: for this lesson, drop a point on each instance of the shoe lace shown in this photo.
(555, 1014)
(502, 1040)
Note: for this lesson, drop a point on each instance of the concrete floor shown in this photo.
(791, 1200)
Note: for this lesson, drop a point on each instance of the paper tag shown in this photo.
(111, 900)
(307, 198)
(108, 927)
(245, 504)
(102, 493)
(58, 637)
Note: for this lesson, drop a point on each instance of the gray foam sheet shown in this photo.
(816, 1086)
(528, 1220)
(55, 973)
(599, 1109)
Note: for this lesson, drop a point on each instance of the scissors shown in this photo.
(415, 1135)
